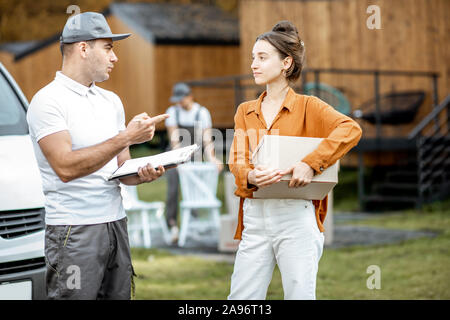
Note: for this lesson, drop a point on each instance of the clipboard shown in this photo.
(167, 159)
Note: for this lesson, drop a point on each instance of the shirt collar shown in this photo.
(74, 85)
(288, 103)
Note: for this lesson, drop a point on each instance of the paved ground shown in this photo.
(344, 236)
(350, 235)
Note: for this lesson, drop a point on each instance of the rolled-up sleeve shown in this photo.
(341, 134)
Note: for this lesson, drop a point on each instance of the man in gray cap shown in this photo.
(191, 121)
(80, 138)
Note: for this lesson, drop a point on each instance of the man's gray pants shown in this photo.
(88, 261)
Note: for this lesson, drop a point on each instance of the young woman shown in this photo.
(275, 231)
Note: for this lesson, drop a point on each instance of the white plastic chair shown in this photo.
(198, 181)
(141, 218)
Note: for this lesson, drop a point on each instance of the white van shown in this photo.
(22, 262)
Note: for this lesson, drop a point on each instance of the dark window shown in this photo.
(12, 112)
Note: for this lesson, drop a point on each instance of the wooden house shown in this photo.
(408, 51)
(414, 36)
(169, 43)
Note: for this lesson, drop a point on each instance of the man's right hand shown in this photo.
(142, 127)
(262, 176)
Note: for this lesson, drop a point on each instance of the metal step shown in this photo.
(385, 144)
(389, 188)
(433, 173)
(440, 161)
(404, 165)
(402, 176)
(381, 203)
(377, 198)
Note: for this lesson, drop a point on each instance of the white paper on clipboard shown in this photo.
(165, 159)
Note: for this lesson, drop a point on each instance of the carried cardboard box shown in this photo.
(282, 152)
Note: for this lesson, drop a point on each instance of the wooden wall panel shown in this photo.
(174, 63)
(133, 76)
(144, 75)
(35, 71)
(8, 61)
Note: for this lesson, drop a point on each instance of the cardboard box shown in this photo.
(282, 152)
(228, 224)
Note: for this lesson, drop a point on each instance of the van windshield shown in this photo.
(12, 113)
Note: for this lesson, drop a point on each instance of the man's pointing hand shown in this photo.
(142, 127)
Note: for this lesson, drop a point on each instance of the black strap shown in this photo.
(197, 115)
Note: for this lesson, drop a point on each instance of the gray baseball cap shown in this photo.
(179, 91)
(88, 26)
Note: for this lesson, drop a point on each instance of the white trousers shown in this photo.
(283, 232)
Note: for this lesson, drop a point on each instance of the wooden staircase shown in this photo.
(423, 176)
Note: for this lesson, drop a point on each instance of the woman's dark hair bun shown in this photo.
(286, 27)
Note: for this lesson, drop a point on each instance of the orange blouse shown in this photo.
(299, 115)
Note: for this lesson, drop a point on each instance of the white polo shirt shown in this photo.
(91, 116)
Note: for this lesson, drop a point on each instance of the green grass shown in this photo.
(345, 193)
(164, 276)
(413, 269)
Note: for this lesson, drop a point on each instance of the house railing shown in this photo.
(433, 154)
(236, 82)
(430, 136)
